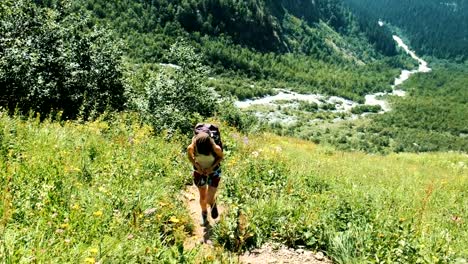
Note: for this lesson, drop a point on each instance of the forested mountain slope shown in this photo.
(435, 27)
(261, 25)
(312, 46)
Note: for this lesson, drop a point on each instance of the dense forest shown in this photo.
(437, 28)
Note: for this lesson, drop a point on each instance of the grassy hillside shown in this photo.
(108, 191)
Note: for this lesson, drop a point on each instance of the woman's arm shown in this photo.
(219, 156)
(191, 156)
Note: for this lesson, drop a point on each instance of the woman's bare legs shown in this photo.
(203, 200)
(211, 195)
(211, 200)
(208, 196)
(204, 213)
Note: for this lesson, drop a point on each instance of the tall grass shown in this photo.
(404, 208)
(108, 191)
(102, 191)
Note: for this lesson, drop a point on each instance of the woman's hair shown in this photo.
(203, 143)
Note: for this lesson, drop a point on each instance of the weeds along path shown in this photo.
(200, 234)
(268, 253)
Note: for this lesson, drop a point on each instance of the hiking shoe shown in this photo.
(204, 216)
(214, 211)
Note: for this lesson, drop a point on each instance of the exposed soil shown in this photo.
(268, 253)
(200, 234)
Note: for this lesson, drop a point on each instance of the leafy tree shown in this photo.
(51, 60)
(176, 97)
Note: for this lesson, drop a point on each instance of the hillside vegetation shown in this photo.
(431, 117)
(443, 37)
(108, 191)
(92, 55)
(98, 99)
(314, 46)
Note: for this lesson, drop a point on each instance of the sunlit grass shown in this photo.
(400, 207)
(109, 191)
(100, 191)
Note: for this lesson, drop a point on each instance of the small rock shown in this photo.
(150, 211)
(256, 251)
(272, 261)
(300, 250)
(319, 256)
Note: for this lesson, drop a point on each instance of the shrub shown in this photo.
(366, 109)
(176, 97)
(51, 60)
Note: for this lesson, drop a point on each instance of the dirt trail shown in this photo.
(279, 254)
(200, 234)
(268, 253)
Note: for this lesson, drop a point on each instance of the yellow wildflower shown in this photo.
(89, 260)
(173, 219)
(98, 213)
(93, 250)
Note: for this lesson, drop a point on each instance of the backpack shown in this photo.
(211, 130)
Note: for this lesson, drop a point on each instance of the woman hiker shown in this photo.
(206, 157)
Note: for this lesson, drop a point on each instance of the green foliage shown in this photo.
(108, 191)
(357, 208)
(264, 42)
(432, 117)
(444, 37)
(50, 60)
(233, 116)
(242, 88)
(308, 106)
(360, 109)
(177, 96)
(100, 191)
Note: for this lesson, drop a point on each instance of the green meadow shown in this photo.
(109, 191)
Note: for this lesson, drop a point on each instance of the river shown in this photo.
(342, 104)
(372, 99)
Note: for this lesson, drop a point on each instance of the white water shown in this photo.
(342, 104)
(372, 99)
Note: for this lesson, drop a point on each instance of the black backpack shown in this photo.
(211, 130)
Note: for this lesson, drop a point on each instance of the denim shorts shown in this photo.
(212, 179)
